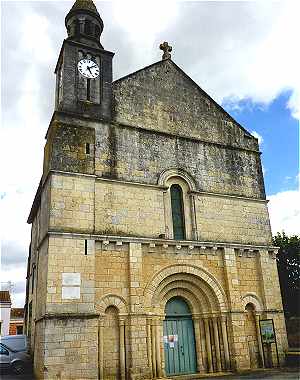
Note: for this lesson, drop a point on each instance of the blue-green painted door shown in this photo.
(179, 339)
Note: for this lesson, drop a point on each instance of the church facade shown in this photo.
(151, 250)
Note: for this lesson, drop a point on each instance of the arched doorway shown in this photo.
(179, 338)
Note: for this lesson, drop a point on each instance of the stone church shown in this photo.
(151, 252)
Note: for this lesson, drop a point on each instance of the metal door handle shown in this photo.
(181, 348)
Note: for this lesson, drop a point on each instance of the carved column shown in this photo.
(203, 344)
(153, 344)
(200, 366)
(158, 356)
(225, 341)
(149, 348)
(208, 345)
(100, 348)
(166, 214)
(122, 349)
(260, 347)
(193, 217)
(217, 343)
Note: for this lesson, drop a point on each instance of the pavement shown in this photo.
(262, 374)
(9, 375)
(267, 374)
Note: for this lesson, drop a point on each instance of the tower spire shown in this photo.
(84, 24)
(85, 5)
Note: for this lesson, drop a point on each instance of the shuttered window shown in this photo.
(177, 212)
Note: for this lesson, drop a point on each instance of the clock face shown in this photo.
(88, 68)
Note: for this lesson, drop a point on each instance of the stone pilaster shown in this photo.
(238, 347)
(272, 301)
(137, 320)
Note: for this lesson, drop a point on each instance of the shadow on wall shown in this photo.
(293, 331)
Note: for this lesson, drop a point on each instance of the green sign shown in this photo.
(267, 331)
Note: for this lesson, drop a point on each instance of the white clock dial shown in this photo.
(88, 68)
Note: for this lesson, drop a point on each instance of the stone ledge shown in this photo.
(67, 316)
(162, 242)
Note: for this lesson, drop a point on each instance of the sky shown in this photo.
(244, 54)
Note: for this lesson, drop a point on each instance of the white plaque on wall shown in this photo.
(71, 279)
(70, 292)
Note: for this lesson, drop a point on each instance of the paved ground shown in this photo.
(271, 374)
(8, 375)
(275, 374)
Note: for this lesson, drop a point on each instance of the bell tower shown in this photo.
(84, 68)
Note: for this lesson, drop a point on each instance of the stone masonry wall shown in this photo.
(70, 348)
(68, 256)
(163, 98)
(111, 270)
(138, 155)
(128, 210)
(232, 220)
(131, 210)
(72, 203)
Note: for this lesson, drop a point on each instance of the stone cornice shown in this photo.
(152, 242)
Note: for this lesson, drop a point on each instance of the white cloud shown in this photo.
(284, 210)
(258, 136)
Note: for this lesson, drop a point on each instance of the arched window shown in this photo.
(177, 212)
(77, 27)
(87, 27)
(97, 31)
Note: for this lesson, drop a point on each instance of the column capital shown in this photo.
(257, 316)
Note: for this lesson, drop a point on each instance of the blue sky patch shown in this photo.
(280, 146)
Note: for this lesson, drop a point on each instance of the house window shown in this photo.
(19, 330)
(177, 212)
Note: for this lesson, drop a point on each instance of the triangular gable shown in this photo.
(162, 97)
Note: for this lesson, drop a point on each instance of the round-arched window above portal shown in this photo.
(249, 307)
(177, 212)
(177, 307)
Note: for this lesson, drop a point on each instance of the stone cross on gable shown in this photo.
(166, 48)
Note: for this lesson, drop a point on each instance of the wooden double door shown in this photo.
(179, 339)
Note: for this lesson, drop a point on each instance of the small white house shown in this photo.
(5, 307)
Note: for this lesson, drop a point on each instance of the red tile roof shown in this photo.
(5, 296)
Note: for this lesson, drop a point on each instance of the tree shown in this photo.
(288, 264)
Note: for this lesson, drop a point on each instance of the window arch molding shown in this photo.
(168, 173)
(187, 185)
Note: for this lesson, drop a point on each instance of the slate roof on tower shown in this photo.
(85, 4)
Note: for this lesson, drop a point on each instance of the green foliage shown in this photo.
(288, 264)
